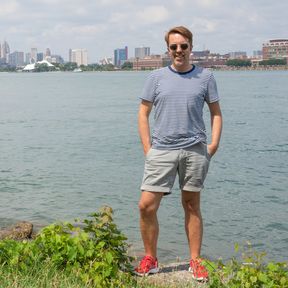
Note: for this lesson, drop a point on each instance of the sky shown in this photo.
(101, 26)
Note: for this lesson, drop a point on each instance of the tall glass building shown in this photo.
(120, 56)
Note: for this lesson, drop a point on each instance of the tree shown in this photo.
(127, 66)
(69, 66)
(273, 62)
(238, 62)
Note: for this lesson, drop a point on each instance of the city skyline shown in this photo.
(217, 25)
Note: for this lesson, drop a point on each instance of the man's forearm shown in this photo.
(143, 125)
(216, 123)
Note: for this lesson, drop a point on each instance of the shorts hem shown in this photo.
(192, 188)
(158, 189)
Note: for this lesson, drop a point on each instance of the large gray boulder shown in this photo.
(20, 231)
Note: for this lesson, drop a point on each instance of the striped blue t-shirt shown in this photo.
(178, 100)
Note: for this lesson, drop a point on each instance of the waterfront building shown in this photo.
(142, 52)
(120, 56)
(16, 59)
(151, 62)
(33, 55)
(106, 61)
(79, 56)
(31, 67)
(200, 54)
(275, 49)
(238, 55)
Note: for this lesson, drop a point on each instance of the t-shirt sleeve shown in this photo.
(148, 92)
(212, 93)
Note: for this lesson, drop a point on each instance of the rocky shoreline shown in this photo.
(172, 275)
(20, 231)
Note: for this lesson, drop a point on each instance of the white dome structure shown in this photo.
(31, 67)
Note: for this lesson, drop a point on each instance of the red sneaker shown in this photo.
(148, 265)
(198, 270)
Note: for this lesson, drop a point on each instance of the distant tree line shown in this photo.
(239, 62)
(248, 63)
(273, 62)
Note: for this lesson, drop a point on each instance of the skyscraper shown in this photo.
(142, 52)
(33, 58)
(120, 56)
(48, 52)
(5, 51)
(79, 56)
(16, 59)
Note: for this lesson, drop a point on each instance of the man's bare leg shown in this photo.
(193, 222)
(148, 206)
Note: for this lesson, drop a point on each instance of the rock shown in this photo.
(20, 231)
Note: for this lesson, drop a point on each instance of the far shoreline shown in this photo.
(213, 68)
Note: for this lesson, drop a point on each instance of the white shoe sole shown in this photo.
(197, 278)
(152, 271)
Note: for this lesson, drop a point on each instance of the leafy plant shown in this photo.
(94, 249)
(250, 271)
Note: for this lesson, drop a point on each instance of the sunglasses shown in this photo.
(183, 46)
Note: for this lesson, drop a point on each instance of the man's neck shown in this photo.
(183, 69)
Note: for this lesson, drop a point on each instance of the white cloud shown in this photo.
(118, 18)
(202, 25)
(153, 14)
(9, 8)
(209, 3)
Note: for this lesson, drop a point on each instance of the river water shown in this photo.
(69, 144)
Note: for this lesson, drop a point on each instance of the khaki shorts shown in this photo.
(162, 166)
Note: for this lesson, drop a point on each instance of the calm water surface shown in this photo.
(69, 145)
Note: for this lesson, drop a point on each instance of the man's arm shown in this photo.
(143, 124)
(216, 127)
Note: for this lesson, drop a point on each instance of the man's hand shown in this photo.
(212, 149)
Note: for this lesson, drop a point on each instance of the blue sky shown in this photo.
(102, 25)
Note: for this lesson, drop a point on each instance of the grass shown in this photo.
(39, 276)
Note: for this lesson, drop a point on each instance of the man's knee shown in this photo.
(147, 208)
(191, 207)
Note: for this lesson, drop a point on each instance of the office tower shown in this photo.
(5, 51)
(142, 52)
(40, 56)
(27, 58)
(79, 56)
(33, 58)
(16, 59)
(120, 56)
(48, 52)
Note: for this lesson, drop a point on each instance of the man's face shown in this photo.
(179, 51)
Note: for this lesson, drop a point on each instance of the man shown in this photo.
(176, 146)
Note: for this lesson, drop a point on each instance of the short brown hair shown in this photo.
(185, 32)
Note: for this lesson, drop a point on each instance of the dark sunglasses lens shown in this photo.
(184, 46)
(173, 47)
